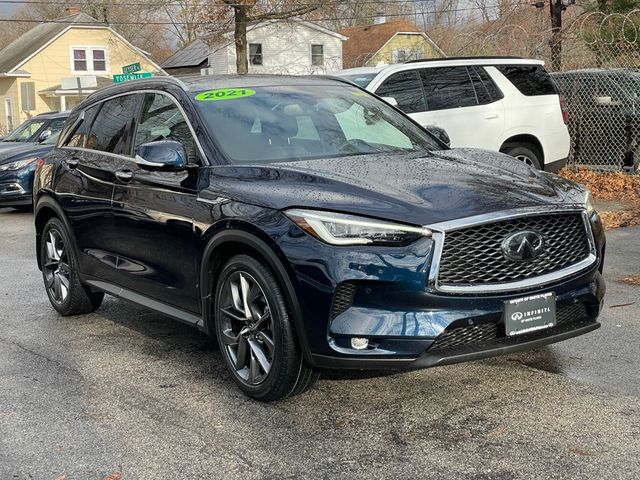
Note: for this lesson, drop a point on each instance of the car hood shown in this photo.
(23, 150)
(6, 146)
(431, 188)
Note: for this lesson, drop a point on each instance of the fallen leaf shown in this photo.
(632, 280)
(579, 451)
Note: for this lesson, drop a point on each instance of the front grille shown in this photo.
(457, 335)
(343, 298)
(473, 255)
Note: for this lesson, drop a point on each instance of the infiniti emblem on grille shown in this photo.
(523, 246)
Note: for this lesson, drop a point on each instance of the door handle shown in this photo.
(489, 116)
(124, 176)
(73, 163)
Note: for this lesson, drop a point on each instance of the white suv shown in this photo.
(506, 104)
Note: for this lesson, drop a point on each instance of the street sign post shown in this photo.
(126, 77)
(133, 68)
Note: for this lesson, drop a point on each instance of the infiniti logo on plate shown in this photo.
(523, 246)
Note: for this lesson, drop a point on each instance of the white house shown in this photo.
(295, 47)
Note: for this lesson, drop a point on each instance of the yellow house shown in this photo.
(56, 64)
(387, 42)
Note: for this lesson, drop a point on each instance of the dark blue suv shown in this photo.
(307, 224)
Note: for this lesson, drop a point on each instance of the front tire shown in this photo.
(60, 273)
(255, 332)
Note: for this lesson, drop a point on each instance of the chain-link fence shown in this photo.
(595, 60)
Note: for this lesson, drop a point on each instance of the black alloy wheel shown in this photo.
(55, 267)
(256, 334)
(247, 327)
(60, 274)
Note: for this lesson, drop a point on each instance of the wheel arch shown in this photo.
(47, 208)
(226, 244)
(525, 138)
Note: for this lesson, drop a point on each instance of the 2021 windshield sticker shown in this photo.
(224, 94)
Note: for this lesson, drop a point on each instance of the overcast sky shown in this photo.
(6, 9)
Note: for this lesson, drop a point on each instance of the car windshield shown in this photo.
(360, 79)
(274, 124)
(25, 131)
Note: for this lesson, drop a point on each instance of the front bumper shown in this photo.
(16, 188)
(383, 294)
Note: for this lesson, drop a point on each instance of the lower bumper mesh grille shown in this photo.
(343, 298)
(476, 334)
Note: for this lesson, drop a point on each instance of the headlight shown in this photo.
(341, 229)
(588, 203)
(17, 165)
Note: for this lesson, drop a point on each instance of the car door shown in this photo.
(85, 183)
(407, 90)
(158, 255)
(468, 113)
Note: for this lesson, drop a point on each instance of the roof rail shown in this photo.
(47, 113)
(481, 57)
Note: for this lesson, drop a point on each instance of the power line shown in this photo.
(161, 3)
(326, 19)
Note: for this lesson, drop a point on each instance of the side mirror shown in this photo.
(163, 153)
(44, 135)
(440, 133)
(391, 101)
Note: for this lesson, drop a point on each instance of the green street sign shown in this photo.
(134, 67)
(126, 77)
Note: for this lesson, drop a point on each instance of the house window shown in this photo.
(8, 114)
(255, 53)
(80, 60)
(89, 60)
(99, 61)
(317, 55)
(401, 55)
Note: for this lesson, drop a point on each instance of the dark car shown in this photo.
(18, 164)
(308, 224)
(604, 115)
(35, 130)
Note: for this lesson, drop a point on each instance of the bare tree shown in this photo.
(249, 11)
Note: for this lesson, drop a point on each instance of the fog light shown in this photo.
(358, 343)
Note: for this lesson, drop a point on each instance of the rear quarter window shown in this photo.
(530, 80)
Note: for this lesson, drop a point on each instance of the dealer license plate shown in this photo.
(528, 314)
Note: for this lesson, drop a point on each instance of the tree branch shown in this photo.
(294, 12)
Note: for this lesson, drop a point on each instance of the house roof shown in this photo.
(365, 41)
(190, 56)
(14, 54)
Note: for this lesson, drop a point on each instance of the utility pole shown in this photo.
(556, 8)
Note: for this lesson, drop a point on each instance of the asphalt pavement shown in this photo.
(131, 394)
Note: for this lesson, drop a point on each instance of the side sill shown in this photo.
(151, 304)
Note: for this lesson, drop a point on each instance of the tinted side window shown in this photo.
(531, 80)
(111, 130)
(81, 132)
(162, 120)
(486, 89)
(405, 87)
(449, 87)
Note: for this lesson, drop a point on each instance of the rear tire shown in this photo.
(525, 152)
(255, 332)
(60, 273)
